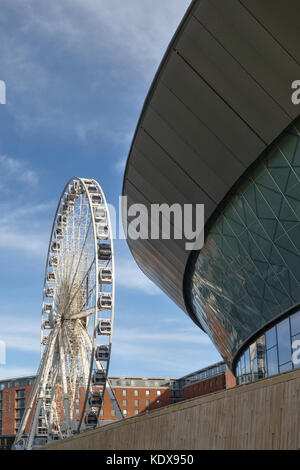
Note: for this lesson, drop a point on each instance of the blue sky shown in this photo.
(77, 73)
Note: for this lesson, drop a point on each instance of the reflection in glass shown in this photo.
(284, 341)
(296, 351)
(286, 367)
(264, 360)
(272, 361)
(271, 338)
(295, 323)
(261, 354)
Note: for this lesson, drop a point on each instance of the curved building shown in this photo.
(219, 127)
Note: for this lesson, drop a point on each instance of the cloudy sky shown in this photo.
(77, 73)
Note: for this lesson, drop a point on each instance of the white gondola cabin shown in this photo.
(104, 251)
(102, 231)
(91, 419)
(105, 301)
(55, 246)
(48, 308)
(102, 352)
(92, 188)
(51, 277)
(104, 327)
(47, 325)
(70, 199)
(53, 261)
(59, 233)
(61, 220)
(99, 377)
(95, 400)
(49, 292)
(96, 199)
(99, 214)
(65, 208)
(105, 276)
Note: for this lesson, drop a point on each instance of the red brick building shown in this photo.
(135, 395)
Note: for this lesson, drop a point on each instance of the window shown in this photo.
(101, 412)
(272, 361)
(124, 393)
(113, 413)
(20, 403)
(147, 402)
(136, 393)
(136, 403)
(295, 323)
(125, 412)
(158, 403)
(158, 392)
(124, 402)
(272, 352)
(284, 341)
(136, 412)
(20, 407)
(147, 393)
(19, 413)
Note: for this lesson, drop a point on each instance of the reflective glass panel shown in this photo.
(284, 341)
(295, 323)
(272, 361)
(286, 367)
(271, 338)
(296, 351)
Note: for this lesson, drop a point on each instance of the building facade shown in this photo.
(219, 127)
(135, 395)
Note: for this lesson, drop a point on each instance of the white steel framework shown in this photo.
(77, 320)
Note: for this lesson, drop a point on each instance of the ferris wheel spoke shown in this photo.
(88, 238)
(80, 285)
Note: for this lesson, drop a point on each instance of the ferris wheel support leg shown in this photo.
(44, 378)
(52, 397)
(28, 407)
(110, 391)
(85, 365)
(34, 424)
(64, 384)
(35, 388)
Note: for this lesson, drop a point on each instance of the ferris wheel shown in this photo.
(77, 320)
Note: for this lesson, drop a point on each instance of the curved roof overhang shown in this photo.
(221, 95)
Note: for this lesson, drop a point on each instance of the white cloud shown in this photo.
(14, 171)
(129, 275)
(124, 31)
(114, 45)
(20, 333)
(13, 239)
(20, 228)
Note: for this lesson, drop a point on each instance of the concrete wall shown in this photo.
(261, 415)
